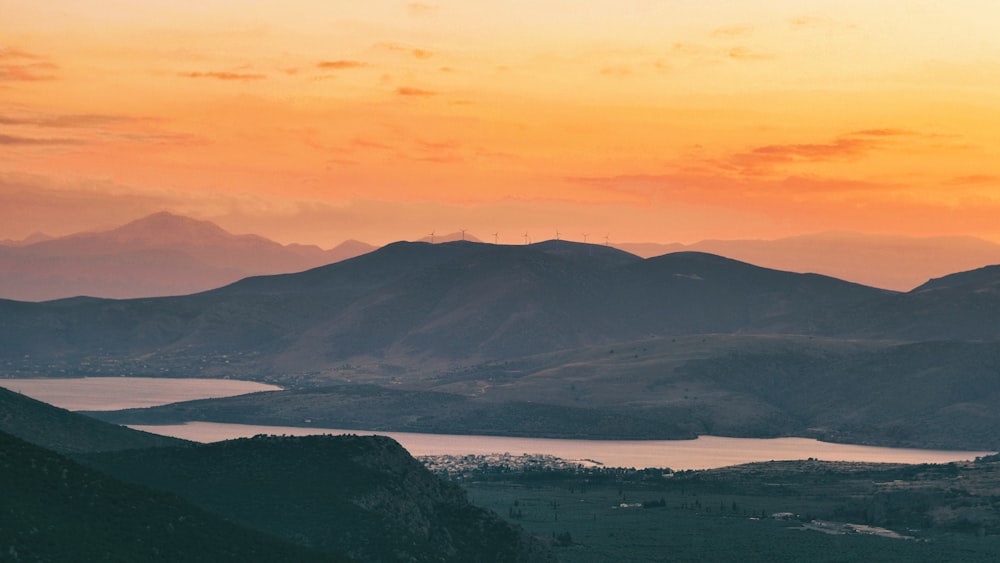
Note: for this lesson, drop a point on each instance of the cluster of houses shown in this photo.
(455, 465)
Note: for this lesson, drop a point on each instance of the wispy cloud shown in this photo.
(975, 180)
(222, 75)
(620, 70)
(420, 8)
(883, 133)
(21, 66)
(732, 31)
(409, 91)
(341, 64)
(67, 121)
(747, 54)
(32, 141)
(413, 51)
(763, 159)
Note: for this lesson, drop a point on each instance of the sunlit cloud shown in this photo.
(420, 8)
(68, 121)
(413, 51)
(341, 64)
(884, 133)
(21, 66)
(15, 140)
(409, 91)
(620, 70)
(222, 75)
(732, 31)
(747, 54)
(975, 180)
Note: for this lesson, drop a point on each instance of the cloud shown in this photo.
(420, 9)
(974, 180)
(883, 133)
(340, 64)
(21, 66)
(620, 70)
(68, 121)
(7, 53)
(15, 140)
(221, 75)
(746, 54)
(368, 143)
(408, 91)
(414, 51)
(732, 31)
(761, 160)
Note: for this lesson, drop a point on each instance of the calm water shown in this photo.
(704, 453)
(112, 393)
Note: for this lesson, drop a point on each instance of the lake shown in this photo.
(706, 452)
(113, 393)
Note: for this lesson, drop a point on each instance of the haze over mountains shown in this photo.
(166, 254)
(890, 262)
(162, 254)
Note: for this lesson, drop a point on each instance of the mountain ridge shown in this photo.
(157, 255)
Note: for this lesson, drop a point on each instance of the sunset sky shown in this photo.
(661, 121)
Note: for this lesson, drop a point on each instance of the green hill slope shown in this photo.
(364, 496)
(54, 509)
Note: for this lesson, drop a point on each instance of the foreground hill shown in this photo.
(57, 510)
(65, 432)
(162, 254)
(365, 496)
(436, 306)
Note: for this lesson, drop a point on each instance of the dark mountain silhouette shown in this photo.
(364, 496)
(892, 262)
(961, 306)
(162, 254)
(55, 509)
(65, 432)
(441, 304)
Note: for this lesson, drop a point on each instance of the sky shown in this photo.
(317, 121)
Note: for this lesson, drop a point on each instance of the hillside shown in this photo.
(162, 254)
(66, 432)
(365, 496)
(57, 510)
(417, 304)
(928, 395)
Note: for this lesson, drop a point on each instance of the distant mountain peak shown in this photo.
(166, 227)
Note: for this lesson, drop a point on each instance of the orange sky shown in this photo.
(318, 121)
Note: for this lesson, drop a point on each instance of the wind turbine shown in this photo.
(432, 237)
(606, 237)
(585, 235)
(526, 237)
(496, 237)
(463, 233)
(557, 235)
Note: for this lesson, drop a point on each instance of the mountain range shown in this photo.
(162, 254)
(167, 254)
(891, 262)
(554, 338)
